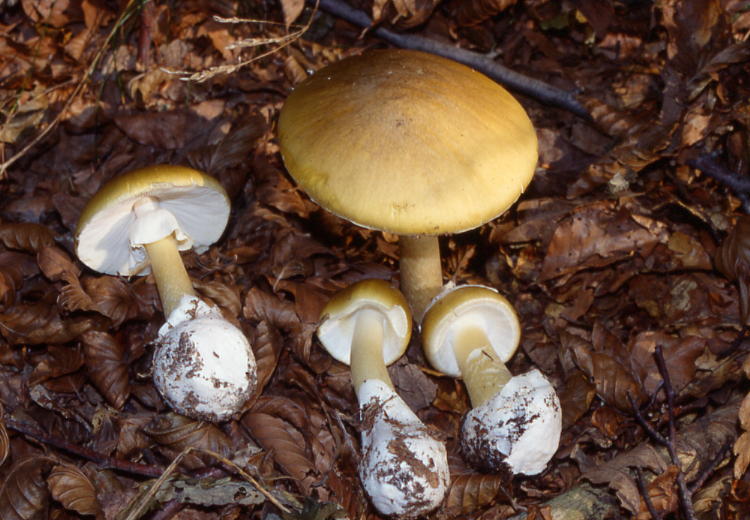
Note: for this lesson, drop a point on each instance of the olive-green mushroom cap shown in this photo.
(407, 142)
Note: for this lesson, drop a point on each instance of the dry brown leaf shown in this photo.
(26, 236)
(57, 362)
(742, 452)
(262, 306)
(733, 260)
(24, 494)
(176, 432)
(107, 366)
(223, 295)
(267, 344)
(112, 297)
(56, 265)
(292, 9)
(4, 439)
(14, 268)
(472, 12)
(469, 493)
(663, 493)
(73, 489)
(576, 397)
(39, 323)
(285, 442)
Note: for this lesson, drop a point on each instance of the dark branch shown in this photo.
(529, 86)
(739, 185)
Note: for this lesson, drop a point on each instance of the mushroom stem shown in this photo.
(367, 349)
(172, 280)
(483, 373)
(421, 272)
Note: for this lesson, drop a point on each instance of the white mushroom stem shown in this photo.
(367, 348)
(421, 272)
(172, 279)
(483, 373)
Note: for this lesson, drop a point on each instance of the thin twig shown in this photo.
(101, 460)
(644, 493)
(708, 470)
(531, 87)
(739, 185)
(686, 497)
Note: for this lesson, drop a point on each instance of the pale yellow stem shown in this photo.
(483, 373)
(171, 277)
(421, 272)
(366, 358)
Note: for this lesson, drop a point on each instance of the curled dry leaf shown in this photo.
(223, 295)
(403, 13)
(39, 323)
(112, 297)
(267, 344)
(472, 12)
(14, 268)
(176, 432)
(106, 362)
(73, 489)
(4, 439)
(733, 261)
(24, 494)
(57, 362)
(26, 236)
(663, 493)
(56, 264)
(471, 492)
(263, 306)
(285, 442)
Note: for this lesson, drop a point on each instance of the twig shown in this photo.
(685, 494)
(531, 87)
(644, 493)
(103, 461)
(740, 186)
(709, 469)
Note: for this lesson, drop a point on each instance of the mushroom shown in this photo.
(137, 224)
(409, 143)
(404, 468)
(515, 422)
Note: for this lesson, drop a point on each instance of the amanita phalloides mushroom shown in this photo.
(410, 143)
(137, 224)
(404, 468)
(515, 422)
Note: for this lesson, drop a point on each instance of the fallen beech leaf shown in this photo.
(107, 366)
(57, 362)
(413, 385)
(262, 306)
(733, 260)
(56, 264)
(24, 494)
(177, 432)
(73, 489)
(663, 493)
(26, 236)
(469, 493)
(14, 268)
(576, 397)
(223, 295)
(112, 297)
(292, 9)
(613, 381)
(742, 452)
(473, 12)
(4, 440)
(39, 323)
(267, 344)
(284, 442)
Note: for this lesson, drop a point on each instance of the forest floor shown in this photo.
(608, 257)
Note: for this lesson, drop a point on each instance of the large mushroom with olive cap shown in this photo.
(404, 468)
(410, 143)
(137, 224)
(515, 422)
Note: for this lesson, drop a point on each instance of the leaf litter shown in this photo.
(618, 248)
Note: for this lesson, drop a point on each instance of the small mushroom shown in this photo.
(137, 224)
(410, 143)
(404, 468)
(515, 422)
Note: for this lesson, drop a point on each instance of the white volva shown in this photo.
(203, 365)
(519, 426)
(404, 469)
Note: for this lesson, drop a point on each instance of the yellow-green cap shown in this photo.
(407, 142)
(198, 202)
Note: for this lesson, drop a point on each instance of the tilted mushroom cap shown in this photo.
(468, 305)
(407, 142)
(337, 326)
(179, 200)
